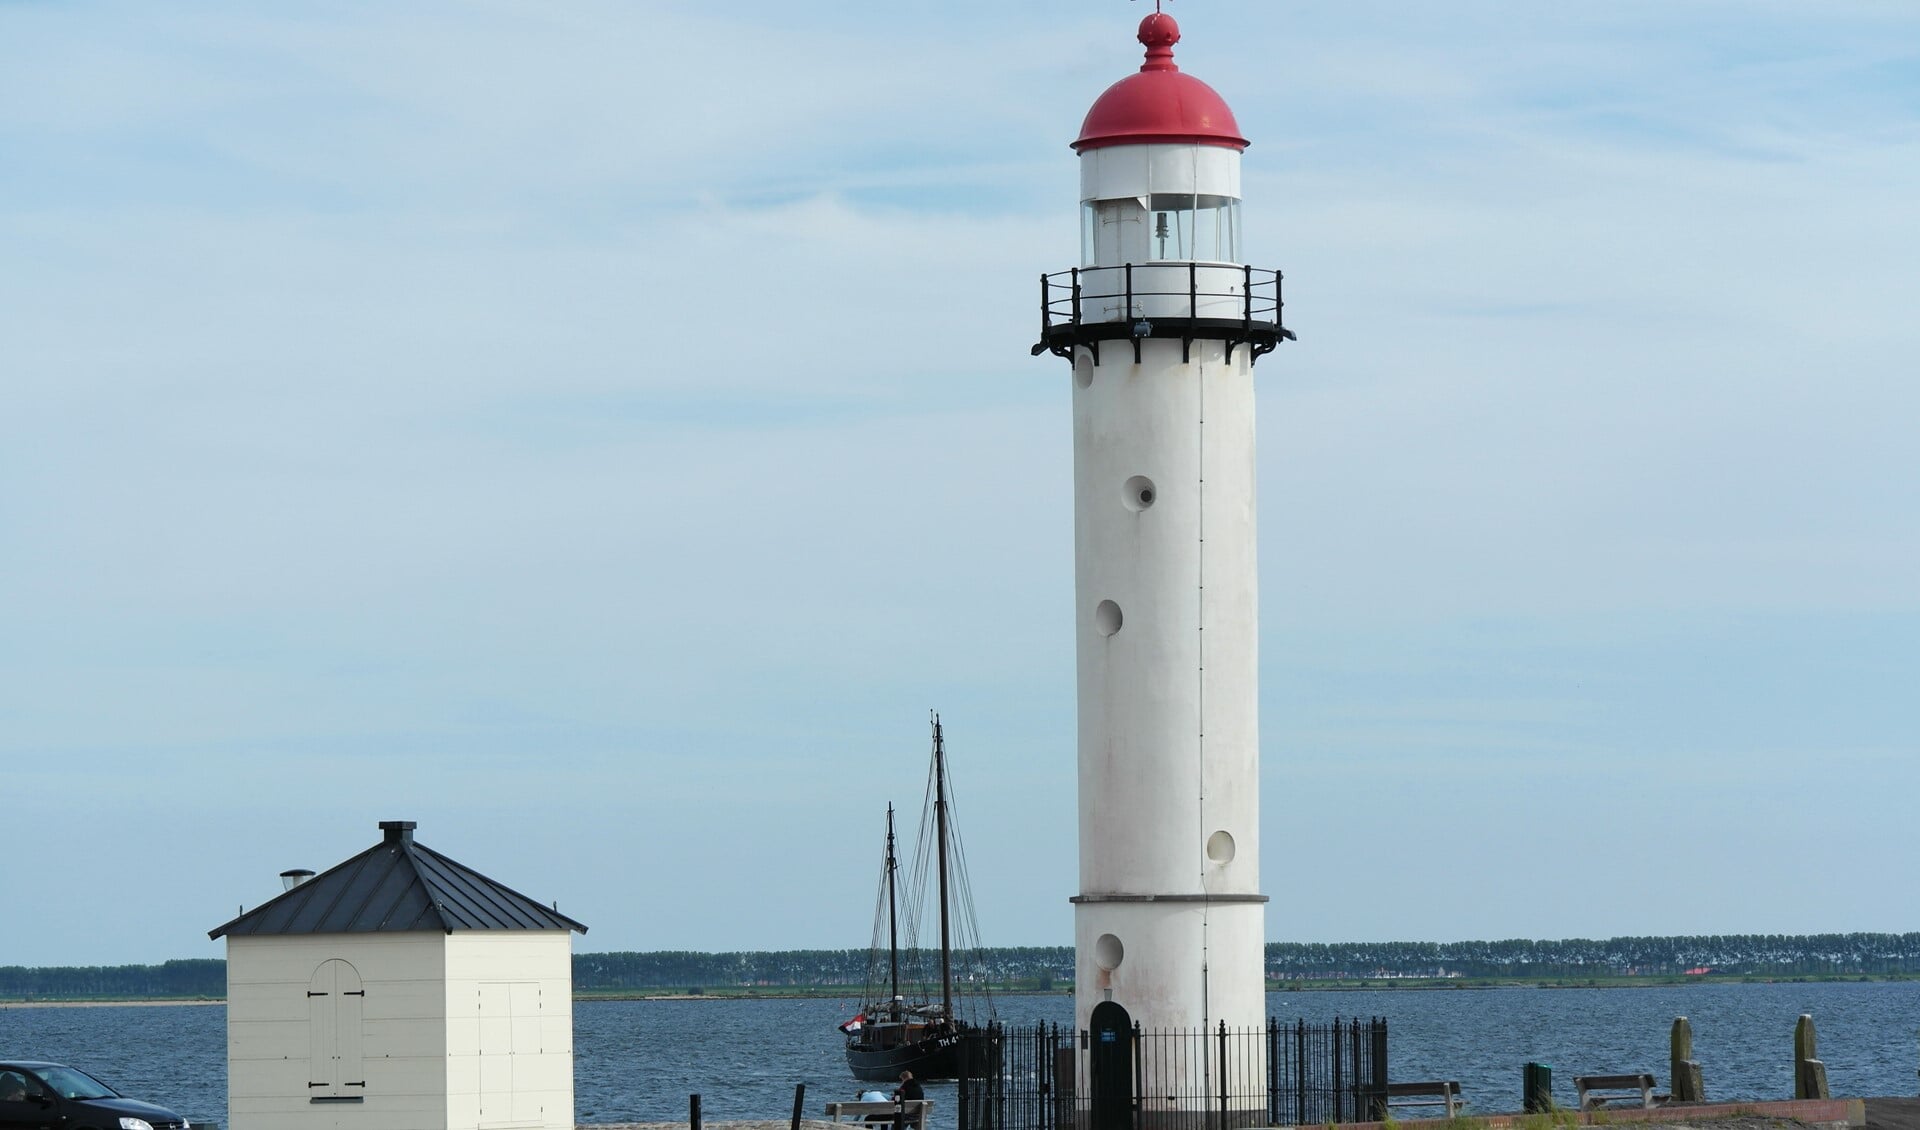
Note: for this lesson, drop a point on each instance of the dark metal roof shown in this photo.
(397, 885)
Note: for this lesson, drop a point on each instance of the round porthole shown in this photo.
(1220, 847)
(1106, 617)
(1138, 493)
(1108, 952)
(1083, 373)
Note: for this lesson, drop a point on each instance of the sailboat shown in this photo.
(904, 1026)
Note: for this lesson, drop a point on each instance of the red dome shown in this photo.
(1160, 104)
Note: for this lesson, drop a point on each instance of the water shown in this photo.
(174, 1055)
(637, 1061)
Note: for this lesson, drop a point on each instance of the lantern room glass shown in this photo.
(1184, 226)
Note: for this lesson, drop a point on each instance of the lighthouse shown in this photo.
(1163, 323)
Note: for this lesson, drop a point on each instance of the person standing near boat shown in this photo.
(911, 1092)
(909, 1088)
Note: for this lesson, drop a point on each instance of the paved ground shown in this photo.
(1893, 1114)
(1882, 1114)
(767, 1124)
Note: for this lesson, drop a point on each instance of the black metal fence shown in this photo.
(1338, 1071)
(1297, 1074)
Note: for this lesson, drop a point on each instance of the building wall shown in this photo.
(292, 1057)
(509, 1008)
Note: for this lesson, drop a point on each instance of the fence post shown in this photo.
(1359, 1080)
(996, 1082)
(1044, 1071)
(1273, 1071)
(1139, 1062)
(1379, 1069)
(1300, 1072)
(965, 1083)
(1223, 1075)
(1339, 1082)
(693, 1112)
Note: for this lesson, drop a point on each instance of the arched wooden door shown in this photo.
(335, 1007)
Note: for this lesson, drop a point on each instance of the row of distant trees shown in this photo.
(1750, 954)
(598, 972)
(1744, 954)
(1770, 955)
(199, 977)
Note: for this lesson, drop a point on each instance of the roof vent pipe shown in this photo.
(291, 879)
(398, 831)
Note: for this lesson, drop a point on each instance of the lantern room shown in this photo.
(1160, 220)
(1159, 165)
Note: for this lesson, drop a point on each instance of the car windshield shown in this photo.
(74, 1084)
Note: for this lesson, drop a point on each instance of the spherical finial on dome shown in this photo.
(1159, 33)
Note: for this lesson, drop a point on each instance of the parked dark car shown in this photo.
(51, 1096)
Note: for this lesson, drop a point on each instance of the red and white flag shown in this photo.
(854, 1024)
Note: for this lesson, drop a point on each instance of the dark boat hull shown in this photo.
(928, 1057)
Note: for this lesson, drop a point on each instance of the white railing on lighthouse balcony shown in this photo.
(1187, 301)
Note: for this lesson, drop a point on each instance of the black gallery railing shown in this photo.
(1298, 1074)
(1185, 301)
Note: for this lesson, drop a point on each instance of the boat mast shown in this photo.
(893, 927)
(940, 832)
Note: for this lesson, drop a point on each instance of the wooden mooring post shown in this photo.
(1683, 1071)
(1809, 1074)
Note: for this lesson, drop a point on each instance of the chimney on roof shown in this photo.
(291, 879)
(398, 831)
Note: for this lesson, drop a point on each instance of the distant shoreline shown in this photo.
(140, 1002)
(1345, 985)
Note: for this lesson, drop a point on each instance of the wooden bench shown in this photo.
(1433, 1092)
(1598, 1090)
(912, 1112)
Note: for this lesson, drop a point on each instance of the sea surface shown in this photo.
(638, 1061)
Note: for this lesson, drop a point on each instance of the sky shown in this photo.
(600, 432)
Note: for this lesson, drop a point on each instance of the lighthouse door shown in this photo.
(1110, 1066)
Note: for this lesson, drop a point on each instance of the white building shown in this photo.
(400, 990)
(1162, 323)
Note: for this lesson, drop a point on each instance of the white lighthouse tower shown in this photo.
(1163, 324)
